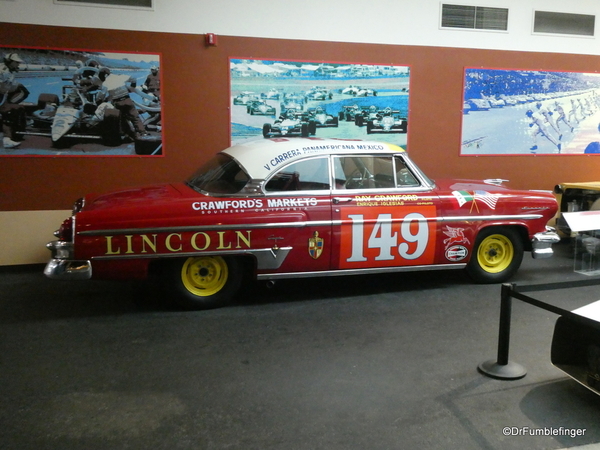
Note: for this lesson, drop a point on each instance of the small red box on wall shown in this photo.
(210, 39)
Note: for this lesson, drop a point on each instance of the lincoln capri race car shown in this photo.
(283, 208)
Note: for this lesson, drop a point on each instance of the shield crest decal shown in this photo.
(315, 246)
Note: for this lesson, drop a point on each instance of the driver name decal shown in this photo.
(392, 200)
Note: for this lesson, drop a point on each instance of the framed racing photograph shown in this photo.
(64, 102)
(530, 112)
(274, 98)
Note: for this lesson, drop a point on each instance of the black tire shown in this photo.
(497, 255)
(266, 130)
(111, 128)
(369, 127)
(312, 127)
(202, 282)
(304, 130)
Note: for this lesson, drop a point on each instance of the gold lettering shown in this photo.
(151, 244)
(129, 246)
(221, 243)
(109, 249)
(206, 241)
(168, 243)
(244, 239)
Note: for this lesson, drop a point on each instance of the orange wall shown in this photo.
(196, 111)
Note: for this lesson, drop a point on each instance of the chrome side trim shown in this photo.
(504, 217)
(206, 228)
(335, 273)
(302, 224)
(266, 258)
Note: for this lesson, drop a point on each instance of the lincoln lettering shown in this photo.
(143, 244)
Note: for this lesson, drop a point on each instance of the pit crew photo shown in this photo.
(79, 103)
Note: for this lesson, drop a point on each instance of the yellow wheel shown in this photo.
(204, 276)
(202, 282)
(497, 255)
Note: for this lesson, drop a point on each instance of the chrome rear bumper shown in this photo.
(62, 266)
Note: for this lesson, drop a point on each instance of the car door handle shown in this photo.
(338, 200)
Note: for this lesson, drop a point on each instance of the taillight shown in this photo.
(78, 205)
(65, 232)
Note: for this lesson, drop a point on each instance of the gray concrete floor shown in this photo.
(365, 362)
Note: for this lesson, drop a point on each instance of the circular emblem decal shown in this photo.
(456, 253)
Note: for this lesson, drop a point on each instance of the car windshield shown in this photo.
(220, 175)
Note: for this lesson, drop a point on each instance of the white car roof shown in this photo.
(262, 157)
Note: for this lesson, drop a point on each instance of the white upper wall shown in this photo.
(398, 22)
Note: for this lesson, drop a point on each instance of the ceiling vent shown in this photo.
(136, 4)
(474, 17)
(563, 23)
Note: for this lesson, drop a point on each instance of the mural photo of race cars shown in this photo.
(58, 102)
(324, 100)
(525, 112)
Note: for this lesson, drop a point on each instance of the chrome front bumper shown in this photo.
(62, 266)
(541, 244)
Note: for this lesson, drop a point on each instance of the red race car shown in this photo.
(302, 207)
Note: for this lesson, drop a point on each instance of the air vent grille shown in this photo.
(564, 23)
(474, 17)
(145, 4)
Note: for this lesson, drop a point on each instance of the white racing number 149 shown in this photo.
(385, 238)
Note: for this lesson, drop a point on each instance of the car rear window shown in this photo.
(220, 175)
(307, 175)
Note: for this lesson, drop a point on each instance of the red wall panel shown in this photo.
(196, 111)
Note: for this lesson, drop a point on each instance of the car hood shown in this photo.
(491, 197)
(492, 186)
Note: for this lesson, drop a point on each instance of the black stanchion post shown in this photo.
(502, 368)
(504, 326)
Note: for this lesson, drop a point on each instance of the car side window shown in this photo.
(404, 176)
(307, 175)
(364, 172)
